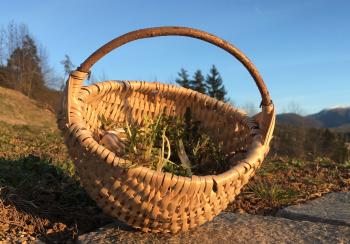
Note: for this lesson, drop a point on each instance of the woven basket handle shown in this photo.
(176, 31)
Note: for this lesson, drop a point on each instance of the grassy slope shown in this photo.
(16, 108)
(40, 194)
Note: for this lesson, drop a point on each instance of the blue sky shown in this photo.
(301, 47)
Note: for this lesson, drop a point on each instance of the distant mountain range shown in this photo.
(337, 119)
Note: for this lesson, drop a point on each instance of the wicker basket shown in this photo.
(144, 198)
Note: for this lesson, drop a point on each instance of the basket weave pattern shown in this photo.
(144, 198)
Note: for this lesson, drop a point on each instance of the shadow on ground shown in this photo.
(40, 200)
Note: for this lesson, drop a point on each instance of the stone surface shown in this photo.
(230, 228)
(333, 208)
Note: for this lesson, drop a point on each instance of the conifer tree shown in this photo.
(24, 64)
(215, 87)
(198, 82)
(183, 79)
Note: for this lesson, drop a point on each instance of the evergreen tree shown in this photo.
(215, 87)
(24, 65)
(183, 79)
(197, 83)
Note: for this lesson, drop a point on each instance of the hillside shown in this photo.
(298, 120)
(18, 109)
(332, 118)
(337, 119)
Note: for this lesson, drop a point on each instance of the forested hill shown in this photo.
(337, 119)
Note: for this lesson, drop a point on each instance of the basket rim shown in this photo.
(84, 136)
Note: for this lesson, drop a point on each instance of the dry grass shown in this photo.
(40, 195)
(281, 182)
(16, 108)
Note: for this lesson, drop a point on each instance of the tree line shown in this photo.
(211, 85)
(300, 142)
(24, 66)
